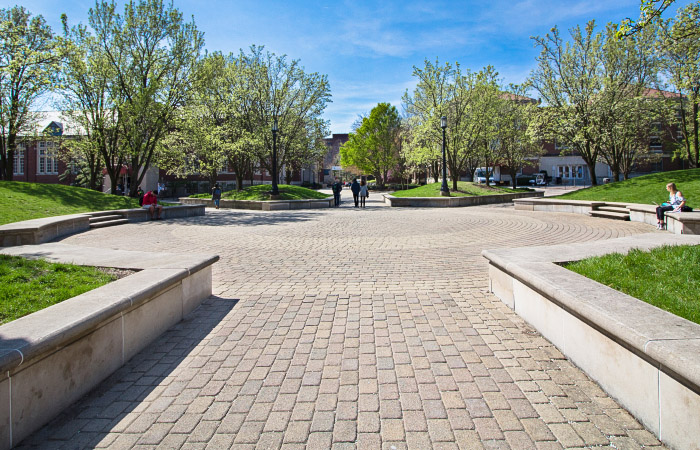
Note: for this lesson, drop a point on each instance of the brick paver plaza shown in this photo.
(348, 328)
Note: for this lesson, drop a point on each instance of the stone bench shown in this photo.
(452, 202)
(677, 223)
(644, 357)
(51, 358)
(39, 231)
(270, 205)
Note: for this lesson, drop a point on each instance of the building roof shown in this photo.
(517, 98)
(54, 123)
(654, 93)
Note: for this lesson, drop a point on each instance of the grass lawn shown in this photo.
(261, 192)
(27, 286)
(24, 201)
(666, 277)
(464, 189)
(645, 189)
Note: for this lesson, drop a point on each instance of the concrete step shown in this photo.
(105, 218)
(108, 223)
(610, 215)
(617, 209)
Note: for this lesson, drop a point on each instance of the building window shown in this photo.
(570, 172)
(18, 160)
(48, 159)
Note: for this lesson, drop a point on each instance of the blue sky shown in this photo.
(368, 48)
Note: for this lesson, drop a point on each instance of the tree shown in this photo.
(88, 100)
(649, 13)
(447, 91)
(281, 90)
(623, 109)
(681, 58)
(29, 59)
(202, 133)
(374, 146)
(518, 144)
(153, 54)
(567, 79)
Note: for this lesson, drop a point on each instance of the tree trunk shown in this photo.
(487, 168)
(591, 170)
(10, 156)
(212, 179)
(514, 178)
(696, 136)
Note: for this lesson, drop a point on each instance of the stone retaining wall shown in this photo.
(644, 357)
(271, 205)
(451, 202)
(39, 231)
(51, 358)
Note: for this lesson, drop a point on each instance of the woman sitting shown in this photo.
(676, 203)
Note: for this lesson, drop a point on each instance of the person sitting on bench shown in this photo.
(150, 202)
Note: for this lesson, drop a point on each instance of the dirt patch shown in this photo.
(116, 272)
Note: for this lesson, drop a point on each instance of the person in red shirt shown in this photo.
(150, 202)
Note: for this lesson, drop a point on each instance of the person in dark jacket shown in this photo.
(337, 189)
(355, 188)
(216, 195)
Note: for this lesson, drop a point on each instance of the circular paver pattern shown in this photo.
(348, 328)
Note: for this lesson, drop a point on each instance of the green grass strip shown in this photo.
(645, 189)
(666, 277)
(23, 201)
(27, 285)
(464, 189)
(261, 192)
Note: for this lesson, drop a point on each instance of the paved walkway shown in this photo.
(349, 328)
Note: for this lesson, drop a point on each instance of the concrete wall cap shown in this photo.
(123, 259)
(37, 224)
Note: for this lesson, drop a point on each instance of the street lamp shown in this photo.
(275, 191)
(444, 190)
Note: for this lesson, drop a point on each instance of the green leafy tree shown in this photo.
(29, 60)
(281, 90)
(374, 146)
(622, 115)
(153, 53)
(680, 49)
(202, 131)
(460, 96)
(567, 78)
(89, 101)
(650, 12)
(518, 146)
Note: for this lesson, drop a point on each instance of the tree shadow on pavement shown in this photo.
(89, 420)
(247, 218)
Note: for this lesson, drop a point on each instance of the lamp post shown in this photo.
(275, 191)
(444, 190)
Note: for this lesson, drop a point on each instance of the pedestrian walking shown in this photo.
(216, 195)
(355, 188)
(364, 192)
(337, 189)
